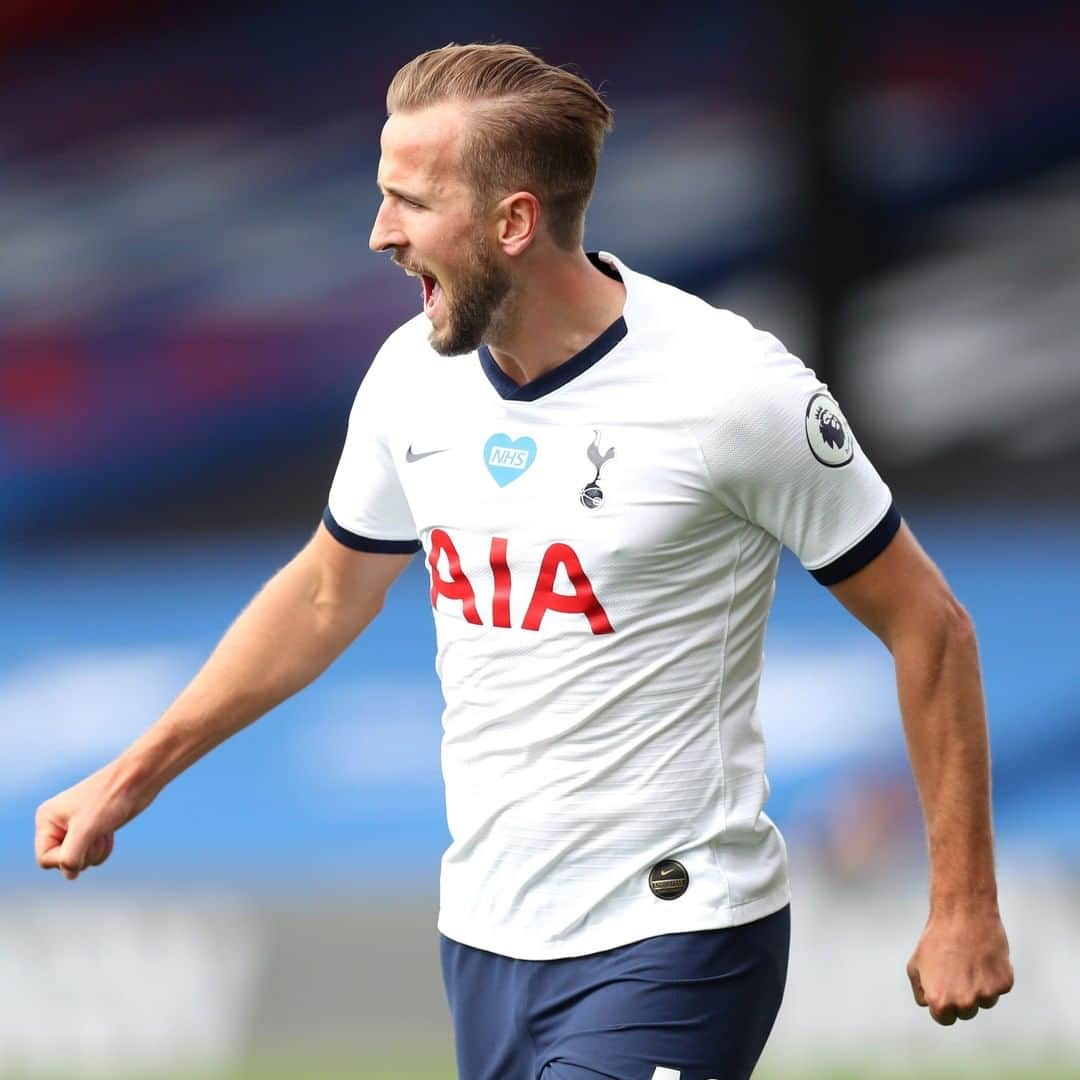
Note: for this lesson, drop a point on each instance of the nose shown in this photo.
(386, 231)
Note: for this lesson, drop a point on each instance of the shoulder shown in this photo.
(713, 357)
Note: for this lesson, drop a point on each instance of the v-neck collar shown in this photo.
(569, 369)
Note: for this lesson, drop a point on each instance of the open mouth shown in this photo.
(432, 292)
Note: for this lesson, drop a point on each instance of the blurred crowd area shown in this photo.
(187, 303)
(186, 190)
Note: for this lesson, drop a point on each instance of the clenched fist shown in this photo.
(961, 964)
(74, 830)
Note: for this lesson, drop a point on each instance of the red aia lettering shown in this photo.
(458, 587)
(500, 570)
(583, 601)
(545, 598)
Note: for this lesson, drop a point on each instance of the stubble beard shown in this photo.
(479, 304)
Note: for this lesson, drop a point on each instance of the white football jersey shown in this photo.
(602, 545)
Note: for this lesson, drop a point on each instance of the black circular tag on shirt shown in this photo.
(668, 880)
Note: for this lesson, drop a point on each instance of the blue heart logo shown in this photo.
(506, 459)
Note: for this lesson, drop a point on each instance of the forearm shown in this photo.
(941, 702)
(961, 963)
(289, 633)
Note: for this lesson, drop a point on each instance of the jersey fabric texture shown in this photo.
(602, 545)
(689, 1006)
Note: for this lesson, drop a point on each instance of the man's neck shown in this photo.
(555, 316)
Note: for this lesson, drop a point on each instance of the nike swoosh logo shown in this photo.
(410, 457)
(669, 870)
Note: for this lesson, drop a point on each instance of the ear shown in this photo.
(517, 221)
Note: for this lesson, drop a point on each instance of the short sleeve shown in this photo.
(367, 509)
(781, 454)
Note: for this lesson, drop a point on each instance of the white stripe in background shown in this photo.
(74, 710)
(377, 730)
(819, 705)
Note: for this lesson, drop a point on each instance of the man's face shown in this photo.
(429, 221)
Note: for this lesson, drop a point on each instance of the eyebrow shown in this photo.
(399, 192)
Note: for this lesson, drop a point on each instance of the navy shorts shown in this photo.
(693, 1006)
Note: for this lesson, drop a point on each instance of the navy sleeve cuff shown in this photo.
(364, 543)
(863, 553)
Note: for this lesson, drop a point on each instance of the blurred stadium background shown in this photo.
(187, 303)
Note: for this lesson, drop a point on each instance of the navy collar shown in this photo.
(568, 370)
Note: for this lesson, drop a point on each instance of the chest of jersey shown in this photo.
(526, 511)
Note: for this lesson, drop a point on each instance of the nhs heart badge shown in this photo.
(506, 459)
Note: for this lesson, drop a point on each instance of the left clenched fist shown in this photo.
(961, 964)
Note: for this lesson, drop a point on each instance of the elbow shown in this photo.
(339, 615)
(949, 633)
(958, 626)
(935, 624)
(335, 619)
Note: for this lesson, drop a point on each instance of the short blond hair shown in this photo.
(536, 127)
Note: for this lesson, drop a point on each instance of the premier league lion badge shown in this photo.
(828, 433)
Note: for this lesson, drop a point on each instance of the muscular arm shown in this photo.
(961, 962)
(292, 630)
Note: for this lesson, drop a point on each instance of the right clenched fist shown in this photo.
(74, 830)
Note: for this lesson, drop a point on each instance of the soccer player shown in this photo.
(600, 470)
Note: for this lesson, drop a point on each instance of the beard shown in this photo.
(472, 305)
